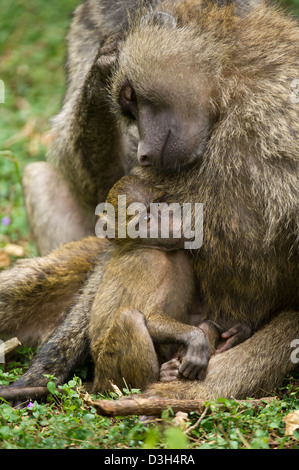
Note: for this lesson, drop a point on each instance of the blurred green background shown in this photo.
(32, 56)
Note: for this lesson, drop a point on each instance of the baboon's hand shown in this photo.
(106, 64)
(195, 362)
(100, 72)
(235, 335)
(107, 55)
(170, 370)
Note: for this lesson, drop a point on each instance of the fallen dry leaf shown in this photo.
(4, 260)
(116, 389)
(87, 398)
(14, 250)
(181, 420)
(292, 422)
(9, 346)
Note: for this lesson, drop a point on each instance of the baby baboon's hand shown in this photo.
(170, 370)
(195, 362)
(235, 335)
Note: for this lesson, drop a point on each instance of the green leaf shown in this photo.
(72, 383)
(5, 431)
(88, 417)
(51, 387)
(152, 439)
(175, 438)
(261, 441)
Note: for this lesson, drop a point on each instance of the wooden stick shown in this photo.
(188, 430)
(138, 405)
(8, 346)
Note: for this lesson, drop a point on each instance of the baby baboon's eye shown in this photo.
(128, 100)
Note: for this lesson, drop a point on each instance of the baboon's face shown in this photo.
(169, 138)
(146, 209)
(160, 89)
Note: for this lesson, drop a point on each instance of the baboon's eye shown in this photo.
(128, 100)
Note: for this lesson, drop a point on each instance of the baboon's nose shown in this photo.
(143, 154)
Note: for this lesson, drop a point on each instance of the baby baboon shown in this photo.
(144, 297)
(147, 291)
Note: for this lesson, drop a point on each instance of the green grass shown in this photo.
(68, 420)
(32, 52)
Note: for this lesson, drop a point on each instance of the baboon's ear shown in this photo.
(159, 18)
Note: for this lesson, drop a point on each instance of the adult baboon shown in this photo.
(89, 150)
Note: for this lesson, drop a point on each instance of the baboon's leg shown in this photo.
(36, 294)
(54, 214)
(67, 348)
(126, 354)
